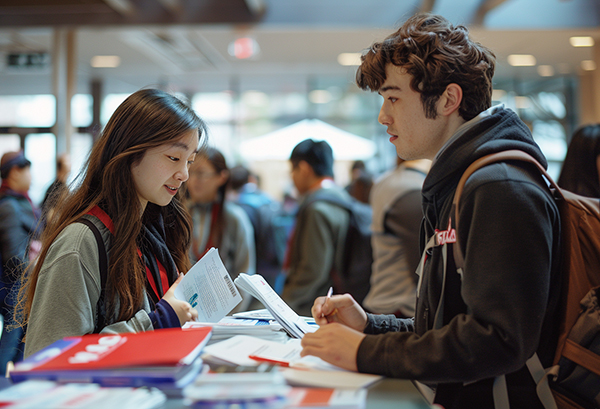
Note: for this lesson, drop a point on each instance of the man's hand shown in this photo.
(334, 343)
(183, 309)
(339, 308)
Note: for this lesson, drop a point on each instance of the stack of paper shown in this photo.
(262, 389)
(228, 327)
(164, 358)
(262, 291)
(315, 398)
(248, 351)
(50, 395)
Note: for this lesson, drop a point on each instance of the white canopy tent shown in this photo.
(278, 145)
(268, 155)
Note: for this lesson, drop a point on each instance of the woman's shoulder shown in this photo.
(78, 238)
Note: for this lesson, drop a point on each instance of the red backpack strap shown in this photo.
(103, 217)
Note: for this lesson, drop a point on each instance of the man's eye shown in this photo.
(392, 99)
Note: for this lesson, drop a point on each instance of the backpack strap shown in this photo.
(103, 261)
(536, 369)
(329, 198)
(480, 163)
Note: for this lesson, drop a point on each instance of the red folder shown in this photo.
(170, 347)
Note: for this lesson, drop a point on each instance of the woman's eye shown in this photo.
(173, 158)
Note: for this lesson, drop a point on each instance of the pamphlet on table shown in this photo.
(257, 286)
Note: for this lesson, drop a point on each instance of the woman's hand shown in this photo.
(339, 308)
(183, 309)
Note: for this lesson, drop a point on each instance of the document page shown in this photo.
(257, 286)
(209, 288)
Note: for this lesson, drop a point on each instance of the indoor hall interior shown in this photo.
(263, 72)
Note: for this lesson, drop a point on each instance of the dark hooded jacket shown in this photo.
(500, 310)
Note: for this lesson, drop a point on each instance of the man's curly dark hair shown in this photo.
(435, 54)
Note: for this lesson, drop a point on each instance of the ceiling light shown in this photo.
(105, 61)
(582, 41)
(349, 58)
(319, 96)
(498, 94)
(588, 65)
(521, 60)
(545, 70)
(522, 102)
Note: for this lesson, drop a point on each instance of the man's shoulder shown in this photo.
(506, 171)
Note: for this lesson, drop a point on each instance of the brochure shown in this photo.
(257, 286)
(208, 287)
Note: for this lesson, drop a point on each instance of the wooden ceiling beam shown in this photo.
(427, 6)
(484, 8)
(23, 13)
(123, 7)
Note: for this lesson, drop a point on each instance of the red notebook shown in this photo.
(161, 347)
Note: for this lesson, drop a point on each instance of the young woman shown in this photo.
(218, 222)
(130, 194)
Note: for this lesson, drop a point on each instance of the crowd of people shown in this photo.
(105, 254)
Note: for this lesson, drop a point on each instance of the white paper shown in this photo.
(240, 348)
(236, 350)
(209, 288)
(259, 288)
(328, 379)
(304, 371)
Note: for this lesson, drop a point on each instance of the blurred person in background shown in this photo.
(219, 222)
(358, 168)
(316, 245)
(264, 213)
(59, 186)
(361, 186)
(18, 246)
(397, 214)
(581, 166)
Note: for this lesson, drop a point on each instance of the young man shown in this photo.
(18, 221)
(317, 243)
(487, 320)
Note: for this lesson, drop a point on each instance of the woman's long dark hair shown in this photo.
(579, 172)
(146, 119)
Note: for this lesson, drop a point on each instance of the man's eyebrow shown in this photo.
(389, 88)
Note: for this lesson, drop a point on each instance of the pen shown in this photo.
(329, 292)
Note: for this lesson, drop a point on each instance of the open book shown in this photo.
(257, 286)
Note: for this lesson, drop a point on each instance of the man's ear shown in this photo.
(305, 168)
(450, 99)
